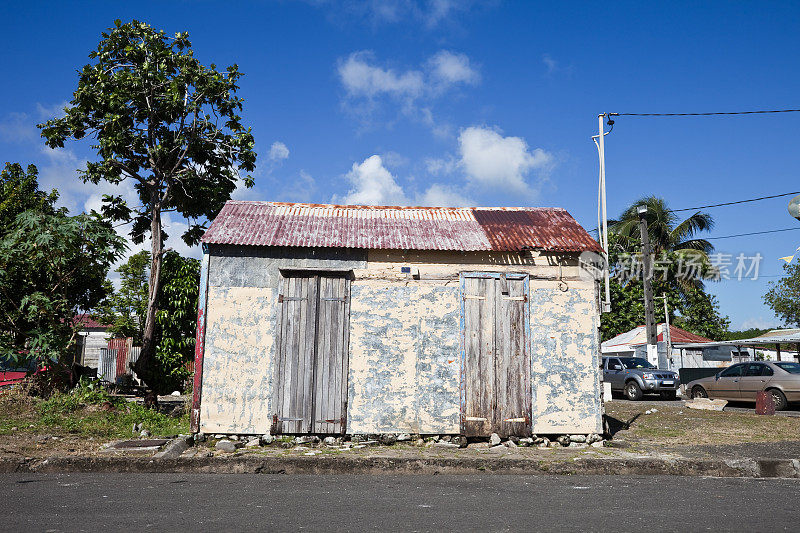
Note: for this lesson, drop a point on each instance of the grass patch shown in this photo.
(87, 411)
(682, 426)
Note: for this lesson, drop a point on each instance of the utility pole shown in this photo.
(647, 277)
(667, 333)
(602, 216)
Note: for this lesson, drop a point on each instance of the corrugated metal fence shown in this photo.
(116, 358)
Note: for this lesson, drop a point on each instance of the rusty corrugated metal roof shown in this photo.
(398, 228)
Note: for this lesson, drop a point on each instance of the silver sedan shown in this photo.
(743, 381)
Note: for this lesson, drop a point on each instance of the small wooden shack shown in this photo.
(329, 319)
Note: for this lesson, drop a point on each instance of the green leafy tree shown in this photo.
(126, 308)
(700, 315)
(683, 261)
(673, 240)
(783, 296)
(176, 321)
(51, 266)
(19, 191)
(160, 118)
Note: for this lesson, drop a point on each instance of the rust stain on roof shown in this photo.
(399, 228)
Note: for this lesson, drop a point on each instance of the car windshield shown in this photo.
(792, 368)
(632, 363)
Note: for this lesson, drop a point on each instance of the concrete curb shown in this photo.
(763, 468)
(173, 449)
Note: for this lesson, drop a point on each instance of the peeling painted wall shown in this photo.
(404, 353)
(565, 386)
(237, 370)
(404, 364)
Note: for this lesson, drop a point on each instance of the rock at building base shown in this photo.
(511, 444)
(144, 433)
(309, 439)
(544, 442)
(597, 444)
(460, 441)
(252, 443)
(443, 444)
(577, 438)
(266, 439)
(226, 446)
(526, 441)
(494, 440)
(563, 440)
(387, 439)
(329, 441)
(403, 437)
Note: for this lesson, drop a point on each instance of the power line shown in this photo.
(736, 202)
(759, 112)
(753, 233)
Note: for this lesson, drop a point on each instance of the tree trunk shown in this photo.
(144, 365)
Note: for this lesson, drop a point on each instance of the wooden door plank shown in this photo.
(479, 347)
(309, 352)
(322, 383)
(513, 368)
(345, 360)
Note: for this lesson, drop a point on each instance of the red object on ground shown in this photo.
(765, 404)
(11, 377)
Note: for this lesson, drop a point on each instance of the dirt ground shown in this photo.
(725, 434)
(670, 429)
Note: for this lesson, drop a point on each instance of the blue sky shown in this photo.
(484, 103)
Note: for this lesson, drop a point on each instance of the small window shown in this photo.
(734, 371)
(755, 370)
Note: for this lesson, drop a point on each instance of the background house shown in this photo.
(92, 338)
(350, 319)
(633, 343)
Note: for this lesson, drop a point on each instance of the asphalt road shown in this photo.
(197, 502)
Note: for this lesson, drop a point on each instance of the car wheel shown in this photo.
(779, 398)
(669, 395)
(632, 391)
(699, 392)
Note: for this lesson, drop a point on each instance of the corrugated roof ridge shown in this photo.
(388, 207)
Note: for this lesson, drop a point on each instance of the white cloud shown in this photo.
(449, 68)
(372, 184)
(360, 78)
(441, 166)
(760, 322)
(554, 67)
(491, 160)
(301, 189)
(278, 151)
(18, 127)
(439, 195)
(431, 13)
(46, 112)
(369, 86)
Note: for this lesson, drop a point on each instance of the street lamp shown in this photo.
(794, 207)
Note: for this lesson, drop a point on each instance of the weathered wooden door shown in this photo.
(496, 374)
(311, 365)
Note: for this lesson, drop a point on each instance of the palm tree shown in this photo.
(670, 237)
